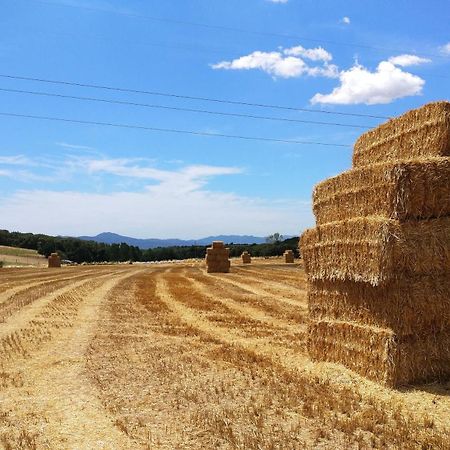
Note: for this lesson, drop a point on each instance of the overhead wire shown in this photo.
(175, 108)
(187, 97)
(169, 130)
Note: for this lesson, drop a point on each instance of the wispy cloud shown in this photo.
(74, 146)
(285, 63)
(277, 1)
(445, 49)
(178, 204)
(408, 60)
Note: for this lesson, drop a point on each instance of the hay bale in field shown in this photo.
(288, 256)
(378, 261)
(409, 305)
(54, 260)
(378, 353)
(421, 132)
(376, 250)
(416, 189)
(246, 257)
(217, 258)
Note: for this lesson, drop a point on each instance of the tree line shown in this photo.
(79, 251)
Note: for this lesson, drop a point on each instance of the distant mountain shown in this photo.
(113, 238)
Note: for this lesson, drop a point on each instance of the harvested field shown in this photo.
(171, 357)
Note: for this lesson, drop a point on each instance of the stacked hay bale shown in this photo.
(288, 256)
(246, 257)
(217, 258)
(378, 261)
(54, 260)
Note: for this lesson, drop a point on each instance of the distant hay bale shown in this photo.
(246, 257)
(217, 258)
(416, 189)
(422, 132)
(289, 256)
(379, 354)
(54, 260)
(376, 250)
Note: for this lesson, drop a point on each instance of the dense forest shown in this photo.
(79, 251)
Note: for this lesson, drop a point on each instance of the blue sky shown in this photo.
(376, 58)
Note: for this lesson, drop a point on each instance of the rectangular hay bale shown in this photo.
(417, 189)
(422, 132)
(407, 306)
(379, 354)
(376, 250)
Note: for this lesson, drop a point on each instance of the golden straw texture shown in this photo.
(416, 189)
(376, 250)
(380, 355)
(422, 132)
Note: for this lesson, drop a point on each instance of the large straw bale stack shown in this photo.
(288, 256)
(423, 132)
(416, 189)
(378, 261)
(54, 260)
(217, 258)
(246, 257)
(375, 250)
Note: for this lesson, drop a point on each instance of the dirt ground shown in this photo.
(170, 357)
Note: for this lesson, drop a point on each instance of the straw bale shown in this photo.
(376, 250)
(421, 132)
(379, 354)
(288, 256)
(54, 260)
(246, 257)
(417, 189)
(407, 306)
(217, 258)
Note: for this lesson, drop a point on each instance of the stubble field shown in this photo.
(169, 357)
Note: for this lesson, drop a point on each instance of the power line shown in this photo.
(170, 130)
(174, 108)
(188, 97)
(232, 29)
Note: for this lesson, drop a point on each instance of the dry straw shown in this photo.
(423, 132)
(379, 354)
(217, 258)
(246, 257)
(289, 256)
(411, 305)
(378, 262)
(376, 250)
(416, 189)
(54, 260)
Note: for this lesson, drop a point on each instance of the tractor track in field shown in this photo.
(69, 412)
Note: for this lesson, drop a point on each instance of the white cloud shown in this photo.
(285, 63)
(408, 60)
(346, 20)
(445, 49)
(16, 160)
(360, 85)
(314, 54)
(278, 1)
(170, 203)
